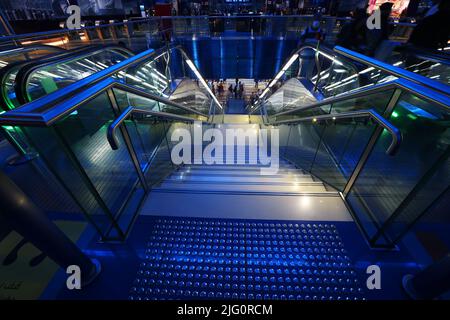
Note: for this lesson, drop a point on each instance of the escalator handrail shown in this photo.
(130, 89)
(186, 57)
(57, 96)
(403, 84)
(65, 107)
(422, 53)
(5, 72)
(309, 45)
(29, 48)
(342, 97)
(34, 110)
(371, 113)
(395, 71)
(25, 72)
(112, 128)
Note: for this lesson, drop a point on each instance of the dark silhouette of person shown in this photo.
(433, 32)
(376, 36)
(353, 34)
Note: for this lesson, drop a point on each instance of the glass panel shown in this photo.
(331, 149)
(386, 180)
(150, 136)
(428, 202)
(60, 74)
(342, 145)
(377, 101)
(104, 181)
(111, 172)
(191, 94)
(52, 151)
(303, 141)
(432, 65)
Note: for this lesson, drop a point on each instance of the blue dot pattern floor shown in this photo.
(188, 258)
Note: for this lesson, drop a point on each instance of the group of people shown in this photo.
(237, 89)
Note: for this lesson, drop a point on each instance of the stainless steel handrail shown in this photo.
(346, 96)
(24, 73)
(395, 133)
(112, 128)
(58, 96)
(405, 85)
(50, 116)
(308, 46)
(395, 71)
(134, 90)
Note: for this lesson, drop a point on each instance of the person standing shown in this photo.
(376, 36)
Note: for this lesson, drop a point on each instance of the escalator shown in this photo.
(25, 81)
(341, 139)
(432, 64)
(348, 155)
(26, 53)
(315, 72)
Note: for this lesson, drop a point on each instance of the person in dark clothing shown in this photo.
(353, 33)
(433, 32)
(376, 36)
(314, 31)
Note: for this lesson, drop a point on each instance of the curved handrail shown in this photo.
(395, 71)
(62, 94)
(6, 71)
(309, 45)
(346, 96)
(405, 85)
(371, 113)
(25, 71)
(48, 117)
(112, 128)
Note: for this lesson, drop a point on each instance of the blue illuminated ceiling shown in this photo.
(238, 57)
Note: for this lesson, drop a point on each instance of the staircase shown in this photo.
(241, 179)
(240, 191)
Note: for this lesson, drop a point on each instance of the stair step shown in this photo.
(240, 167)
(240, 179)
(241, 173)
(245, 187)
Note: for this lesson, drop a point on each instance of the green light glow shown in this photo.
(395, 114)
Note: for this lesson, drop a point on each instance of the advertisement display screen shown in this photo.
(397, 9)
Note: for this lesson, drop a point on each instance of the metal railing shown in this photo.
(372, 114)
(371, 63)
(318, 50)
(28, 67)
(158, 27)
(34, 111)
(392, 70)
(332, 117)
(111, 134)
